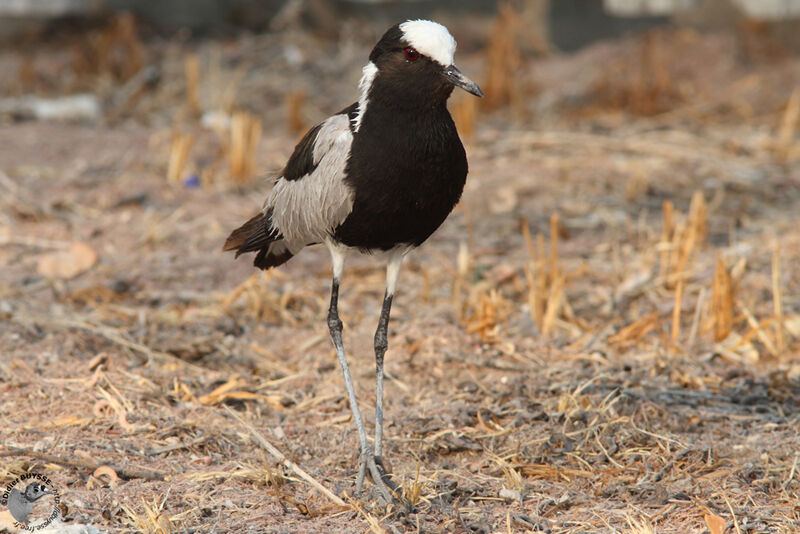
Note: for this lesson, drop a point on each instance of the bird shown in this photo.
(20, 503)
(377, 178)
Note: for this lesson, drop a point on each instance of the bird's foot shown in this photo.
(384, 465)
(374, 465)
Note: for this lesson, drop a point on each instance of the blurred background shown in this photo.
(603, 337)
(123, 59)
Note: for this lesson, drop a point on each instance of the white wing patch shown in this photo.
(305, 211)
(430, 39)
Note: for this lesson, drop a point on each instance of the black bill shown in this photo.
(457, 78)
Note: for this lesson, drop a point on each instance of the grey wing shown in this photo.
(306, 209)
(19, 506)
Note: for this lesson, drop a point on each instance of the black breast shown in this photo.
(407, 172)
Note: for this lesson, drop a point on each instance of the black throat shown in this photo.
(407, 166)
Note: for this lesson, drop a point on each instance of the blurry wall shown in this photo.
(762, 9)
(565, 24)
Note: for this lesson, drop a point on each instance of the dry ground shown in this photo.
(534, 382)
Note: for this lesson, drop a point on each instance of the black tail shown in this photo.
(257, 234)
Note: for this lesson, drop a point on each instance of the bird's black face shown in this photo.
(36, 491)
(415, 78)
(417, 75)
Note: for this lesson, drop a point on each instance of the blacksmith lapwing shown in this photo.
(21, 503)
(379, 177)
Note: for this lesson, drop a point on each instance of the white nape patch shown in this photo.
(430, 39)
(364, 85)
(305, 211)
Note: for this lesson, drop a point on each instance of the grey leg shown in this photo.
(381, 344)
(366, 461)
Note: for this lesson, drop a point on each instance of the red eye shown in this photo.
(411, 54)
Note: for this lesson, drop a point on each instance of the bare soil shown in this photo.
(607, 410)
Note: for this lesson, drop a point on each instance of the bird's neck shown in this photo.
(394, 113)
(410, 99)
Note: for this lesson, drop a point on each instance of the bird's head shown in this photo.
(414, 60)
(36, 491)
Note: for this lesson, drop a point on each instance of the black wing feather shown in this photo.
(301, 163)
(258, 234)
(255, 234)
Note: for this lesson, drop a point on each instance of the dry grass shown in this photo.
(245, 134)
(180, 148)
(501, 86)
(114, 50)
(603, 337)
(545, 280)
(192, 72)
(721, 301)
(152, 520)
(295, 101)
(645, 85)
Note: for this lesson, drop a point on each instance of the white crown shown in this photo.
(430, 39)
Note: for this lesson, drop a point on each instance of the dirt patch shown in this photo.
(630, 364)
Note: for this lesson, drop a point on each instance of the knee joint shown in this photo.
(334, 323)
(381, 343)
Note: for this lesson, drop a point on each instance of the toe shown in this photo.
(384, 465)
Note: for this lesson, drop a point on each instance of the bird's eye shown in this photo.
(411, 54)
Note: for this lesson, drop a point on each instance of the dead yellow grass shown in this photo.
(295, 101)
(721, 301)
(180, 148)
(504, 60)
(192, 73)
(626, 361)
(245, 134)
(643, 84)
(546, 282)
